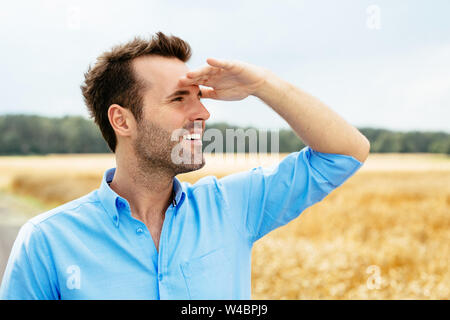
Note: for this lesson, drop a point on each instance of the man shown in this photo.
(145, 235)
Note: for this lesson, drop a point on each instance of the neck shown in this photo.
(148, 191)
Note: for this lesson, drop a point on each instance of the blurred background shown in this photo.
(383, 66)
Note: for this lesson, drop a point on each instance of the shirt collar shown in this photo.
(114, 204)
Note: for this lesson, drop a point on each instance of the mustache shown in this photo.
(196, 126)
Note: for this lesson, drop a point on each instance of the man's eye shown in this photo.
(178, 99)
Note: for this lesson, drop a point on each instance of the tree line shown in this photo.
(39, 135)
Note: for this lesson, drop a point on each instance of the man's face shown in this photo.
(167, 108)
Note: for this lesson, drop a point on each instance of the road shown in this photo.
(14, 212)
(7, 236)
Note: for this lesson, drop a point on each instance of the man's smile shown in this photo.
(194, 139)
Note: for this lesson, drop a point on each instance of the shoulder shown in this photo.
(201, 184)
(69, 211)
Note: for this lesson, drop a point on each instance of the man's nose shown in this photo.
(200, 112)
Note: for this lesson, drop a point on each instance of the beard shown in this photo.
(155, 150)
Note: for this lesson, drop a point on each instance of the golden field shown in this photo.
(384, 234)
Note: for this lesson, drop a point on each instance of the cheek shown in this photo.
(174, 118)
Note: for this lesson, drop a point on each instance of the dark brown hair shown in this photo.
(112, 80)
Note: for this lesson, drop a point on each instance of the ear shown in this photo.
(121, 120)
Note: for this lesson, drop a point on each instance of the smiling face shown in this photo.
(169, 112)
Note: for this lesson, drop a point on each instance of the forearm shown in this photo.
(316, 124)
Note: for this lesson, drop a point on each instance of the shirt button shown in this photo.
(139, 230)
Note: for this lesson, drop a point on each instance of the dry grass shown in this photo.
(396, 221)
(393, 215)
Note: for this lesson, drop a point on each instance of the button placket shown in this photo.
(162, 260)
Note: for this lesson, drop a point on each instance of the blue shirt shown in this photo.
(92, 247)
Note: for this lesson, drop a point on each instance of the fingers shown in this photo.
(201, 75)
(208, 93)
(184, 81)
(213, 68)
(224, 64)
(206, 70)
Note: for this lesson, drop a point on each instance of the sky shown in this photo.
(380, 64)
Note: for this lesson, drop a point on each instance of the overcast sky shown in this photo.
(383, 64)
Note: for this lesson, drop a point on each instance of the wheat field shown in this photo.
(384, 234)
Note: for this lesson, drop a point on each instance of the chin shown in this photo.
(185, 167)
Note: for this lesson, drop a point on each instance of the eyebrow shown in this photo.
(182, 93)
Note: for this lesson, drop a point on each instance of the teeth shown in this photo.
(194, 136)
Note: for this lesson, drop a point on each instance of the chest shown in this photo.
(191, 254)
(155, 232)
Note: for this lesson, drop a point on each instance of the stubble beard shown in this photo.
(153, 149)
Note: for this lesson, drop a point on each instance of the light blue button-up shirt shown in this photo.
(93, 248)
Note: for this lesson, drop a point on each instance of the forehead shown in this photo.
(160, 72)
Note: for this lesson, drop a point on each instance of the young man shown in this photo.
(145, 235)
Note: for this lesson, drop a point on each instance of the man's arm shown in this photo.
(28, 276)
(262, 199)
(317, 125)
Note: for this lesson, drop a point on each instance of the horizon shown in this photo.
(209, 123)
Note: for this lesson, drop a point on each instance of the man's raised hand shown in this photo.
(226, 80)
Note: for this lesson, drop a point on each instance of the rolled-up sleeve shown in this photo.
(263, 199)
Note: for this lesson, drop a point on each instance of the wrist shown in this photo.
(269, 86)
